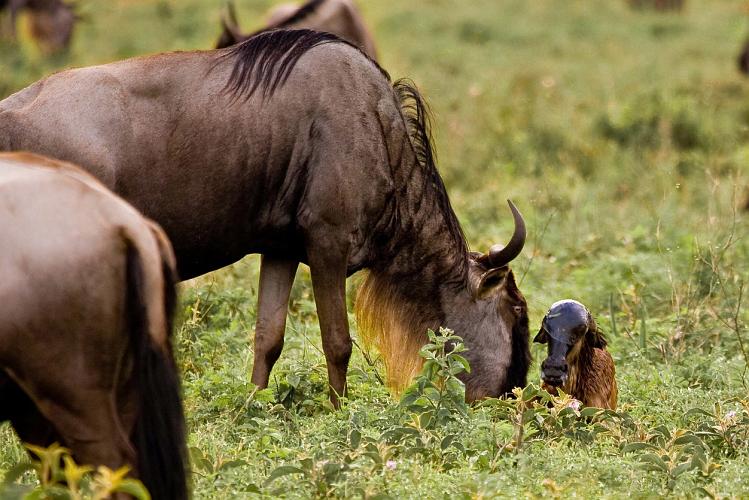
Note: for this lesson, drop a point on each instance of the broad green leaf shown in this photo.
(283, 470)
(133, 488)
(654, 460)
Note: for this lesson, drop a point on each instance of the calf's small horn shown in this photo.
(498, 255)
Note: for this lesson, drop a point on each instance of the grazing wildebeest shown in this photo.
(51, 21)
(743, 59)
(296, 146)
(85, 320)
(577, 361)
(340, 17)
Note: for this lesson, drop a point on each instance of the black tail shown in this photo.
(159, 433)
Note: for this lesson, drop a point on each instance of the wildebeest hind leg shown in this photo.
(329, 284)
(276, 278)
(86, 420)
(29, 424)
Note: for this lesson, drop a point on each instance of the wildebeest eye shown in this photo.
(518, 309)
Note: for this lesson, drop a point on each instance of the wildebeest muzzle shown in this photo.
(554, 371)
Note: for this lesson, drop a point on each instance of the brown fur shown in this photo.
(591, 375)
(85, 354)
(591, 379)
(394, 326)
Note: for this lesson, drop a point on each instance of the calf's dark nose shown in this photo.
(554, 371)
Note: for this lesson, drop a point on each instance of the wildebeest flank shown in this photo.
(340, 17)
(85, 320)
(293, 145)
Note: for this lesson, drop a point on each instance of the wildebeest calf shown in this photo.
(577, 361)
(85, 315)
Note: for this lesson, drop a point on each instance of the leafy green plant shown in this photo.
(672, 454)
(61, 478)
(726, 433)
(437, 395)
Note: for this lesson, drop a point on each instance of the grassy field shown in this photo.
(623, 136)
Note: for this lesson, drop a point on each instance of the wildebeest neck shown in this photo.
(423, 233)
(422, 256)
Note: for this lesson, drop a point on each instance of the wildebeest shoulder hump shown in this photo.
(266, 60)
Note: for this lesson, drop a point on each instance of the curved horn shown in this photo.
(501, 256)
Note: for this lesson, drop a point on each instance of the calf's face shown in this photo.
(564, 329)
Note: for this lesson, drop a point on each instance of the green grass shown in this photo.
(623, 136)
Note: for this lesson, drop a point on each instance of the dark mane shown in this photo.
(418, 118)
(266, 59)
(301, 13)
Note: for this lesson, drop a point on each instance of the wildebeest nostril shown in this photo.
(552, 365)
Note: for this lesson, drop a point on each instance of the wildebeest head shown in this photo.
(231, 34)
(52, 24)
(492, 319)
(566, 328)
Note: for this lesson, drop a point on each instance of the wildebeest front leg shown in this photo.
(329, 284)
(276, 278)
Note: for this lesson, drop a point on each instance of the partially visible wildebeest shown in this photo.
(296, 146)
(85, 322)
(577, 360)
(659, 5)
(51, 21)
(743, 59)
(340, 17)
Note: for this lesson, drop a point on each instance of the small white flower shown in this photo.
(391, 464)
(730, 416)
(574, 404)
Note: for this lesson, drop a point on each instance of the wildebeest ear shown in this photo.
(489, 282)
(598, 339)
(541, 337)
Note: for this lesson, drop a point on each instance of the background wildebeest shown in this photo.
(659, 5)
(340, 17)
(577, 360)
(743, 59)
(85, 322)
(51, 21)
(293, 145)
